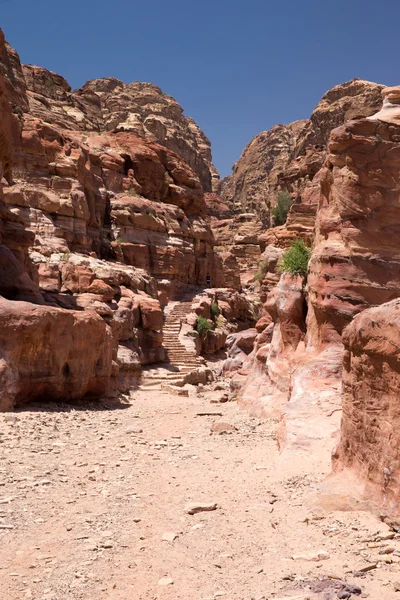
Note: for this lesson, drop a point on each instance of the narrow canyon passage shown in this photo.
(87, 496)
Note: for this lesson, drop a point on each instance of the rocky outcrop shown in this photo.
(5, 122)
(236, 236)
(254, 182)
(95, 227)
(287, 157)
(355, 263)
(295, 369)
(370, 441)
(110, 105)
(52, 354)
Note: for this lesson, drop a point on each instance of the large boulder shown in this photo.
(52, 354)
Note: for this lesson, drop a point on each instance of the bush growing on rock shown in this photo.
(203, 325)
(281, 210)
(296, 258)
(214, 309)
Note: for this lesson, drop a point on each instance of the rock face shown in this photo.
(355, 261)
(295, 369)
(5, 122)
(236, 237)
(254, 181)
(45, 354)
(111, 105)
(370, 438)
(287, 157)
(95, 225)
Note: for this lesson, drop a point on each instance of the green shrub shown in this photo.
(202, 326)
(280, 212)
(296, 258)
(214, 309)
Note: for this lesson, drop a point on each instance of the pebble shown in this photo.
(165, 581)
(195, 507)
(317, 556)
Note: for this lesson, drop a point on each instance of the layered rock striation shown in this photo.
(287, 157)
(108, 105)
(98, 225)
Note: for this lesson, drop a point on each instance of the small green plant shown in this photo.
(65, 256)
(214, 309)
(203, 325)
(119, 240)
(296, 258)
(132, 192)
(281, 210)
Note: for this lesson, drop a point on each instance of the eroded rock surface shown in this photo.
(287, 157)
(98, 223)
(110, 105)
(369, 441)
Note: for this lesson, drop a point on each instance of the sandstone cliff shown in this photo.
(288, 156)
(295, 369)
(111, 105)
(97, 226)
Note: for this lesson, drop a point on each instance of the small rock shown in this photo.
(221, 428)
(165, 581)
(10, 419)
(195, 507)
(343, 595)
(396, 586)
(134, 430)
(317, 556)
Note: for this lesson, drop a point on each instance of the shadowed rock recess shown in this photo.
(113, 222)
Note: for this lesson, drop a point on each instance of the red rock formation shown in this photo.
(52, 354)
(287, 157)
(111, 105)
(355, 261)
(87, 220)
(236, 240)
(370, 439)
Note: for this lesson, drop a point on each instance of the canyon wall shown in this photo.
(287, 157)
(107, 104)
(295, 369)
(100, 227)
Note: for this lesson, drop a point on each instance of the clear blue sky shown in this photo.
(237, 67)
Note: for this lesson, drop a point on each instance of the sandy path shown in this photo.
(85, 499)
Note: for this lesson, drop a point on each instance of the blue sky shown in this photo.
(236, 67)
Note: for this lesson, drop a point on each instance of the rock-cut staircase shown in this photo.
(179, 360)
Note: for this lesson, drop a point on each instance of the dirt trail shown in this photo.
(86, 496)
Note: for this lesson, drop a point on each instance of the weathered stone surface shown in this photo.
(52, 354)
(370, 439)
(111, 105)
(355, 261)
(236, 237)
(287, 157)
